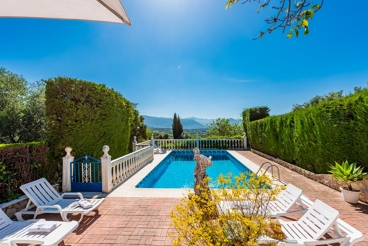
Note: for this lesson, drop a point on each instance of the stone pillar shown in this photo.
(134, 144)
(67, 159)
(197, 140)
(245, 141)
(106, 170)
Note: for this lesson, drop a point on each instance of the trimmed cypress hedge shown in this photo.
(252, 114)
(85, 116)
(315, 137)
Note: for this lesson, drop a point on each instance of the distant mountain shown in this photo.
(204, 122)
(233, 121)
(188, 123)
(161, 122)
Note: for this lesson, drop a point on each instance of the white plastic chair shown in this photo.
(282, 206)
(319, 219)
(14, 232)
(47, 200)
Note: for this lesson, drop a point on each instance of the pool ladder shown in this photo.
(270, 165)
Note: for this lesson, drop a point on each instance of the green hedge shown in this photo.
(315, 137)
(252, 114)
(85, 116)
(21, 164)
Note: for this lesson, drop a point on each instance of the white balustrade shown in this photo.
(123, 167)
(170, 144)
(138, 146)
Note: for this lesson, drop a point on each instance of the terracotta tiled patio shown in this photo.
(144, 221)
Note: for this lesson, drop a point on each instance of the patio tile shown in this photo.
(353, 214)
(144, 220)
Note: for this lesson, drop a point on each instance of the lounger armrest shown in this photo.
(352, 233)
(19, 214)
(73, 194)
(4, 242)
(39, 208)
(279, 214)
(25, 241)
(326, 241)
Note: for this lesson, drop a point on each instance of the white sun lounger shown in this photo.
(319, 219)
(15, 232)
(282, 206)
(47, 200)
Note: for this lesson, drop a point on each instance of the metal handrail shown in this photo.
(270, 166)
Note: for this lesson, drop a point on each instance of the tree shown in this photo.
(223, 127)
(318, 99)
(22, 109)
(137, 126)
(293, 14)
(177, 127)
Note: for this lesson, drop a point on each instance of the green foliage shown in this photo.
(293, 14)
(318, 99)
(223, 127)
(20, 164)
(317, 136)
(22, 109)
(347, 173)
(85, 116)
(177, 127)
(302, 20)
(137, 128)
(203, 221)
(252, 114)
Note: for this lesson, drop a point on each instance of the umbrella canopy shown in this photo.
(94, 10)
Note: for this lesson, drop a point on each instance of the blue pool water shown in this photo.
(176, 170)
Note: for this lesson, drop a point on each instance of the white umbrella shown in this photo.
(94, 10)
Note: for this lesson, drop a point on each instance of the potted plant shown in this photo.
(348, 173)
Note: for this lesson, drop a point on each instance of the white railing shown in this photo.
(138, 146)
(175, 143)
(124, 167)
(231, 144)
(113, 172)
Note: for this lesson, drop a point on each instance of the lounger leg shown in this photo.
(80, 218)
(64, 216)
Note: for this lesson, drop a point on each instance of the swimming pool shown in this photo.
(176, 170)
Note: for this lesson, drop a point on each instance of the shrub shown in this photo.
(347, 173)
(201, 221)
(20, 164)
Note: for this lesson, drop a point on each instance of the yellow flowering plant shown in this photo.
(234, 214)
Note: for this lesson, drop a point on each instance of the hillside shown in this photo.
(161, 122)
(188, 123)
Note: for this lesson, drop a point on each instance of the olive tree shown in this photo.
(223, 127)
(22, 109)
(294, 15)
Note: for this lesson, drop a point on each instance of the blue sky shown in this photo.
(195, 58)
